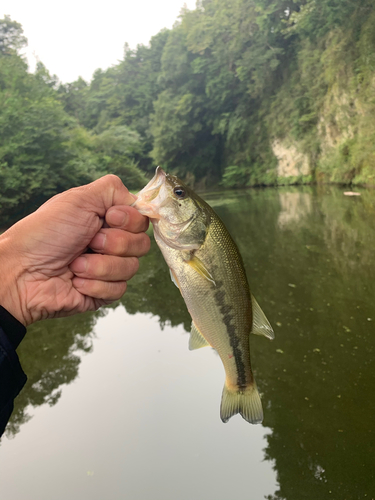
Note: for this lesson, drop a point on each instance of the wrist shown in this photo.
(10, 279)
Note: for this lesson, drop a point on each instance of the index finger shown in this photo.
(127, 218)
(98, 196)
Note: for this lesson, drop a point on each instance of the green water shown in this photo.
(308, 253)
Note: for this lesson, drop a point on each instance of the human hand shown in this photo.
(45, 270)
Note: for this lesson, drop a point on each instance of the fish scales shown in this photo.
(221, 310)
(232, 297)
(208, 269)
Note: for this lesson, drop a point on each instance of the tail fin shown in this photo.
(246, 402)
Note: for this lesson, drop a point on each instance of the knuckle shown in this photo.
(123, 244)
(111, 181)
(123, 287)
(102, 267)
(137, 221)
(116, 181)
(133, 264)
(112, 178)
(138, 245)
(146, 244)
(115, 290)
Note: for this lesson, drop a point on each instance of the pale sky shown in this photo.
(75, 37)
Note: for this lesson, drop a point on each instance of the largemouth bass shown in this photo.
(207, 267)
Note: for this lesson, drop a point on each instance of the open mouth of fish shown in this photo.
(152, 195)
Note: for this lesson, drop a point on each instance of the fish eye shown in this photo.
(179, 192)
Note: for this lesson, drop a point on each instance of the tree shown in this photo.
(11, 38)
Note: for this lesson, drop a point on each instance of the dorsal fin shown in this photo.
(196, 339)
(261, 325)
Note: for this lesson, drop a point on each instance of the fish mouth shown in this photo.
(150, 197)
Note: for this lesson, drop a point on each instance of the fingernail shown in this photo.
(98, 241)
(116, 218)
(79, 265)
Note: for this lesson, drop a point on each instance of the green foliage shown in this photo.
(33, 133)
(121, 96)
(112, 151)
(234, 176)
(73, 97)
(115, 149)
(206, 100)
(184, 141)
(11, 38)
(316, 18)
(43, 149)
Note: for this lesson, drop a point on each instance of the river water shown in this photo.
(117, 407)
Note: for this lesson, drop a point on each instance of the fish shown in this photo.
(206, 265)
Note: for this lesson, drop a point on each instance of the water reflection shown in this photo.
(141, 421)
(294, 206)
(309, 258)
(315, 281)
(50, 356)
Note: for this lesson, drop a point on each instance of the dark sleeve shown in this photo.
(12, 377)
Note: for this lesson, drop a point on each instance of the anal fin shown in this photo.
(196, 339)
(261, 325)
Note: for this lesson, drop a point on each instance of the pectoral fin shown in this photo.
(200, 268)
(196, 339)
(261, 325)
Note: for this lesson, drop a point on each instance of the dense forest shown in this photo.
(240, 93)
